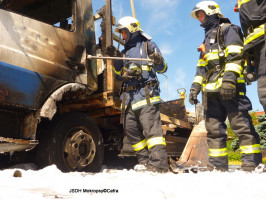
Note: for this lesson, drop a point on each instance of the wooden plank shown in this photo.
(171, 120)
(164, 127)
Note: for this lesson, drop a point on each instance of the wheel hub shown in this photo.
(79, 150)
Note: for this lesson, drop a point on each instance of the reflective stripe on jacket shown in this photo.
(251, 14)
(209, 60)
(137, 97)
(252, 19)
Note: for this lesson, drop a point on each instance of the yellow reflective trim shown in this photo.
(117, 72)
(201, 63)
(165, 66)
(213, 86)
(241, 80)
(256, 33)
(198, 79)
(139, 146)
(146, 68)
(234, 68)
(218, 152)
(144, 102)
(242, 2)
(212, 55)
(248, 149)
(233, 49)
(241, 93)
(155, 141)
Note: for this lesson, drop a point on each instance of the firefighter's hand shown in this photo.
(228, 90)
(157, 57)
(113, 52)
(193, 96)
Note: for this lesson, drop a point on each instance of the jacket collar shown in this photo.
(133, 42)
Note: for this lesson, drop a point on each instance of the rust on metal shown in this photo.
(9, 144)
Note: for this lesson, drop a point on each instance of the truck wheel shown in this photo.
(73, 142)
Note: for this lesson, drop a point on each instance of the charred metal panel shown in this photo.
(10, 123)
(11, 145)
(174, 108)
(90, 42)
(40, 47)
(48, 11)
(34, 54)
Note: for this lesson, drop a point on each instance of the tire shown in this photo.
(72, 142)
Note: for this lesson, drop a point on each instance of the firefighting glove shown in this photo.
(113, 52)
(250, 74)
(194, 91)
(156, 57)
(193, 96)
(228, 90)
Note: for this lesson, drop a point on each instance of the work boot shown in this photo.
(211, 167)
(141, 167)
(248, 167)
(156, 169)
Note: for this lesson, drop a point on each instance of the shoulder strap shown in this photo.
(221, 29)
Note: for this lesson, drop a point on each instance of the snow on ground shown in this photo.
(51, 183)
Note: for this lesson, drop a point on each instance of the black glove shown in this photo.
(157, 57)
(113, 52)
(250, 74)
(154, 55)
(193, 96)
(228, 90)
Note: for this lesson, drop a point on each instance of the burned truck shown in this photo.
(61, 107)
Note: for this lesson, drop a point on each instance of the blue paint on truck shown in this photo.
(19, 86)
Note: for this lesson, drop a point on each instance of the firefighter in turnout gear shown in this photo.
(253, 18)
(219, 75)
(141, 95)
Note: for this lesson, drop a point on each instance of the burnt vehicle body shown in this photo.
(57, 103)
(42, 64)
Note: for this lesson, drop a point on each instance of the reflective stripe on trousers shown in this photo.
(139, 146)
(248, 149)
(155, 141)
(218, 152)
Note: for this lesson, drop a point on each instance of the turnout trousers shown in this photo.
(144, 131)
(237, 112)
(259, 53)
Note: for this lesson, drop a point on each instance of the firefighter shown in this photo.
(253, 18)
(219, 75)
(140, 95)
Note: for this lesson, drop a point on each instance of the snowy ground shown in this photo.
(51, 183)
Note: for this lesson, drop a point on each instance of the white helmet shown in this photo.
(209, 7)
(131, 23)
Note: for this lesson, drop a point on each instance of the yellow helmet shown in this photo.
(209, 7)
(131, 23)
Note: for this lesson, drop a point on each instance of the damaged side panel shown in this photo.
(43, 47)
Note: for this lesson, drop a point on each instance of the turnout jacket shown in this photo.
(135, 48)
(252, 15)
(212, 70)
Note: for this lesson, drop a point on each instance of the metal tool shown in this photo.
(119, 58)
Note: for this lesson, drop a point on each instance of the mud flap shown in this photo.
(195, 153)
